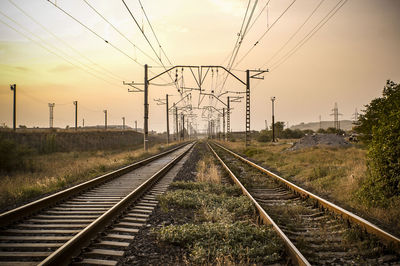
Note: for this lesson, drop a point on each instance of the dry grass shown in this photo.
(333, 173)
(56, 171)
(207, 171)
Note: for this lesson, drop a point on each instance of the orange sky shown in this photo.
(347, 61)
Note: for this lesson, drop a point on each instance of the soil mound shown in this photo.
(320, 139)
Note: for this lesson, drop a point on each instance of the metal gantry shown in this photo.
(199, 79)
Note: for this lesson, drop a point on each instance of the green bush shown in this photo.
(265, 136)
(380, 126)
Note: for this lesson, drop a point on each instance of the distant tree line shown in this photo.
(281, 133)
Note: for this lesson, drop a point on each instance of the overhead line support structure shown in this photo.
(199, 80)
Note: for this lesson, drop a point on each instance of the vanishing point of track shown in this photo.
(314, 230)
(54, 229)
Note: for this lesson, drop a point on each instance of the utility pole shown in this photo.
(136, 125)
(223, 123)
(76, 115)
(273, 119)
(320, 123)
(183, 127)
(228, 120)
(167, 110)
(13, 87)
(83, 122)
(266, 124)
(123, 123)
(105, 119)
(146, 108)
(51, 108)
(247, 136)
(176, 123)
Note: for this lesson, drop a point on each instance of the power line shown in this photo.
(330, 14)
(151, 27)
(148, 41)
(258, 16)
(265, 33)
(295, 33)
(50, 51)
(96, 34)
(119, 32)
(112, 75)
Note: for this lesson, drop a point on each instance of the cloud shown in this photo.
(61, 68)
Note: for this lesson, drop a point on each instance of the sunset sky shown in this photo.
(54, 59)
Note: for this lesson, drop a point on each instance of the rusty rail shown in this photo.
(386, 237)
(293, 252)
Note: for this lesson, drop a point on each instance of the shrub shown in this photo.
(380, 125)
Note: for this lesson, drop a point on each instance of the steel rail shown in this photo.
(13, 215)
(387, 238)
(293, 252)
(63, 255)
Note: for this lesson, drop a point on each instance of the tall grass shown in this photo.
(334, 173)
(56, 171)
(207, 171)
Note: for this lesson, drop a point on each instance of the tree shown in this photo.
(380, 128)
(279, 126)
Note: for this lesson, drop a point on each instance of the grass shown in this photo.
(56, 171)
(333, 173)
(223, 229)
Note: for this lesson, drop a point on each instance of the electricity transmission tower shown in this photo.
(336, 114)
(51, 108)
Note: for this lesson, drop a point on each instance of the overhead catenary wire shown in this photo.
(104, 71)
(95, 33)
(147, 39)
(265, 33)
(155, 35)
(118, 31)
(317, 27)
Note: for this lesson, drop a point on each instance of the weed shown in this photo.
(238, 241)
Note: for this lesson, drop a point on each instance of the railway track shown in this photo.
(52, 230)
(315, 231)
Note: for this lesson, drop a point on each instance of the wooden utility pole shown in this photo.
(123, 123)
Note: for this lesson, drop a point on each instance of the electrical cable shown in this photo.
(331, 13)
(265, 33)
(96, 34)
(65, 43)
(295, 33)
(148, 41)
(151, 27)
(119, 32)
(52, 52)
